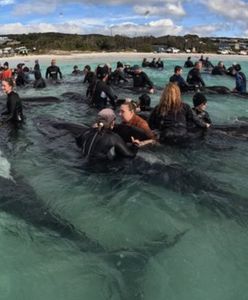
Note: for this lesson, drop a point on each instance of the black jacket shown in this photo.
(104, 144)
(101, 92)
(142, 80)
(53, 72)
(14, 108)
(194, 77)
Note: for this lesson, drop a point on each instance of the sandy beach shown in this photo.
(115, 56)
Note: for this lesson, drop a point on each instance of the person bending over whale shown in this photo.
(194, 76)
(240, 80)
(141, 80)
(101, 91)
(171, 117)
(13, 112)
(177, 78)
(129, 117)
(100, 142)
(200, 104)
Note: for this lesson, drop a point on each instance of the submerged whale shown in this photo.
(20, 200)
(170, 175)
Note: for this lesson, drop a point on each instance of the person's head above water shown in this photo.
(6, 65)
(127, 110)
(7, 85)
(102, 72)
(106, 118)
(199, 99)
(144, 101)
(53, 62)
(137, 69)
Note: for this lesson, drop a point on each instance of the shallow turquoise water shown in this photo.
(160, 242)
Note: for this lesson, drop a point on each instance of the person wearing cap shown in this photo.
(13, 111)
(240, 80)
(179, 80)
(194, 76)
(200, 104)
(141, 80)
(7, 72)
(53, 71)
(101, 92)
(171, 117)
(100, 142)
(188, 63)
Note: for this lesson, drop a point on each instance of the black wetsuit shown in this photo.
(117, 76)
(39, 83)
(53, 72)
(89, 77)
(217, 70)
(101, 92)
(183, 85)
(173, 127)
(104, 144)
(14, 109)
(188, 64)
(37, 72)
(194, 78)
(202, 115)
(141, 80)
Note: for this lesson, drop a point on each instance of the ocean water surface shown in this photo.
(182, 239)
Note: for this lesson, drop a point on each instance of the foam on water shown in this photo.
(4, 167)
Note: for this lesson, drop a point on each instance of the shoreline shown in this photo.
(116, 56)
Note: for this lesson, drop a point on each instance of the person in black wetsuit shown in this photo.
(194, 76)
(118, 75)
(13, 112)
(89, 76)
(101, 91)
(159, 64)
(76, 71)
(220, 69)
(188, 63)
(200, 104)
(53, 71)
(37, 72)
(179, 80)
(240, 79)
(39, 82)
(141, 80)
(100, 142)
(171, 117)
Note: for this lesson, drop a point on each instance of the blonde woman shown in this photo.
(171, 116)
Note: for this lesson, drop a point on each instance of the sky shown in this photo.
(216, 18)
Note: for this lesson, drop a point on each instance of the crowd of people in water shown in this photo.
(170, 122)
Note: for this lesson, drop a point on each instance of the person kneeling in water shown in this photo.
(100, 142)
(200, 103)
(14, 104)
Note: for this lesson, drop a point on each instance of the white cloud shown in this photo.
(86, 26)
(171, 9)
(155, 28)
(6, 2)
(234, 9)
(35, 7)
(205, 30)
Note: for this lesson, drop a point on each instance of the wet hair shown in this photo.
(101, 72)
(10, 82)
(177, 68)
(87, 67)
(170, 100)
(132, 105)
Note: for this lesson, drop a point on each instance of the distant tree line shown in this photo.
(44, 42)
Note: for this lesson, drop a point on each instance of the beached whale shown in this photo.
(171, 175)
